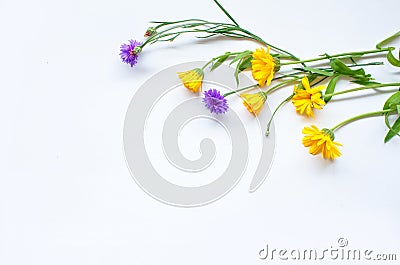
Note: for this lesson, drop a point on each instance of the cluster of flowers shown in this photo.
(267, 67)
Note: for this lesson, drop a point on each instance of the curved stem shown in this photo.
(361, 116)
(240, 89)
(257, 38)
(362, 88)
(275, 111)
(282, 84)
(228, 54)
(326, 56)
(199, 23)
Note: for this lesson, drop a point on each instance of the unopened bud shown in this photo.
(150, 32)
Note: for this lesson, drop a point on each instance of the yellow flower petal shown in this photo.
(263, 66)
(321, 142)
(254, 102)
(192, 79)
(305, 100)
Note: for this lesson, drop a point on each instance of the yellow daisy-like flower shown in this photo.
(263, 66)
(192, 79)
(321, 141)
(254, 102)
(308, 98)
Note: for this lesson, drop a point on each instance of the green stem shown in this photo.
(361, 116)
(226, 13)
(329, 69)
(199, 22)
(326, 56)
(282, 84)
(275, 111)
(257, 38)
(240, 89)
(387, 40)
(230, 33)
(265, 92)
(320, 81)
(218, 57)
(362, 88)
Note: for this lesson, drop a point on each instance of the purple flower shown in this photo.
(129, 52)
(215, 101)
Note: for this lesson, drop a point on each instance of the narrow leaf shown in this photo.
(392, 60)
(245, 63)
(393, 130)
(240, 56)
(364, 82)
(226, 13)
(387, 40)
(318, 71)
(220, 61)
(331, 88)
(393, 100)
(341, 68)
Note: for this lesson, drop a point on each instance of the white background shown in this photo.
(66, 195)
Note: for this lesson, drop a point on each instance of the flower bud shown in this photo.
(329, 132)
(137, 50)
(150, 32)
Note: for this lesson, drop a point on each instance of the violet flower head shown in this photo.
(129, 52)
(215, 101)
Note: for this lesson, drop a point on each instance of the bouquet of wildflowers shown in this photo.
(312, 81)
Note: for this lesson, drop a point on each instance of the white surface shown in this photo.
(66, 196)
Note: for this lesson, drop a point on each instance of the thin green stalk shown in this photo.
(240, 89)
(218, 57)
(329, 69)
(191, 25)
(257, 38)
(362, 88)
(326, 56)
(282, 84)
(275, 111)
(320, 81)
(226, 13)
(265, 92)
(361, 116)
(387, 40)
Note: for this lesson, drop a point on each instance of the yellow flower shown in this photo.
(192, 79)
(321, 141)
(308, 98)
(263, 66)
(254, 102)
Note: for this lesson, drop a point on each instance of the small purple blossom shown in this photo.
(129, 52)
(215, 101)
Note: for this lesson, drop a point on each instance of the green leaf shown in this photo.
(387, 40)
(393, 130)
(364, 82)
(398, 109)
(240, 56)
(245, 64)
(318, 71)
(341, 68)
(331, 88)
(220, 61)
(392, 101)
(237, 74)
(392, 60)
